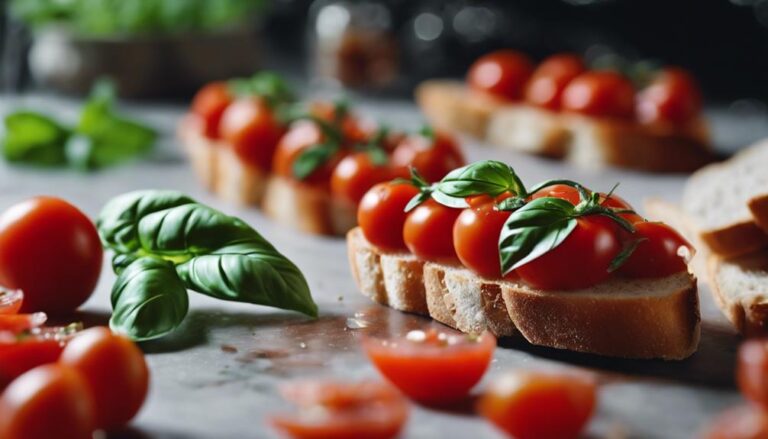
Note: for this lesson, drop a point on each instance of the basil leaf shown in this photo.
(625, 254)
(489, 177)
(249, 272)
(533, 230)
(312, 158)
(447, 200)
(149, 300)
(33, 139)
(511, 204)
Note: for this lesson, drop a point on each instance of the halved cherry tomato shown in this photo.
(301, 136)
(503, 74)
(582, 260)
(428, 232)
(476, 237)
(672, 97)
(545, 89)
(662, 253)
(432, 156)
(209, 104)
(745, 422)
(433, 367)
(52, 252)
(537, 405)
(25, 350)
(115, 374)
(10, 301)
(342, 410)
(251, 128)
(47, 402)
(601, 94)
(381, 214)
(355, 174)
(752, 371)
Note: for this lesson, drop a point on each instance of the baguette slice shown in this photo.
(450, 106)
(657, 318)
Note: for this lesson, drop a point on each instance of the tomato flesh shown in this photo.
(433, 367)
(503, 74)
(381, 214)
(662, 252)
(600, 94)
(428, 232)
(545, 88)
(476, 237)
(252, 130)
(355, 174)
(432, 156)
(531, 405)
(209, 104)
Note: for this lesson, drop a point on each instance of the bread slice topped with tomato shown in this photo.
(305, 164)
(562, 109)
(556, 263)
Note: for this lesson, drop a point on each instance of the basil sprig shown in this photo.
(315, 156)
(165, 243)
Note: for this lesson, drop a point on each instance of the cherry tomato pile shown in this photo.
(563, 83)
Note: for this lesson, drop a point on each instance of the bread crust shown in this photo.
(747, 312)
(759, 208)
(618, 319)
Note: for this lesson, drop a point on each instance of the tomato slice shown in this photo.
(342, 410)
(10, 301)
(433, 367)
(25, 350)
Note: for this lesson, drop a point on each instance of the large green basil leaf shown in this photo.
(33, 139)
(533, 230)
(487, 177)
(249, 272)
(149, 299)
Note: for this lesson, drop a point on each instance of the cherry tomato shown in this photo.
(615, 202)
(433, 367)
(562, 191)
(745, 422)
(355, 174)
(115, 373)
(10, 301)
(601, 94)
(476, 237)
(503, 74)
(428, 232)
(659, 254)
(252, 129)
(17, 323)
(672, 97)
(52, 252)
(545, 89)
(47, 402)
(582, 260)
(536, 405)
(381, 214)
(209, 104)
(752, 371)
(300, 137)
(17, 357)
(342, 410)
(432, 156)
(352, 129)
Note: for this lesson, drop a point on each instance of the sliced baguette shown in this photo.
(656, 318)
(450, 106)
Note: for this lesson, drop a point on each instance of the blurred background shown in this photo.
(165, 49)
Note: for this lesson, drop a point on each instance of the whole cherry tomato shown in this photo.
(52, 252)
(562, 191)
(432, 156)
(115, 374)
(352, 129)
(355, 174)
(381, 214)
(20, 356)
(209, 104)
(503, 74)
(600, 94)
(752, 371)
(476, 237)
(428, 232)
(659, 254)
(536, 405)
(47, 402)
(672, 97)
(615, 202)
(250, 127)
(433, 367)
(545, 89)
(582, 260)
(301, 136)
(745, 422)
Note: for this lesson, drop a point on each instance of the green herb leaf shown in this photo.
(312, 158)
(533, 230)
(488, 177)
(624, 255)
(33, 139)
(511, 204)
(269, 86)
(149, 300)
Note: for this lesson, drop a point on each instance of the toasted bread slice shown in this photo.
(655, 318)
(203, 153)
(740, 286)
(450, 106)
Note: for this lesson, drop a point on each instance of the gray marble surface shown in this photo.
(216, 376)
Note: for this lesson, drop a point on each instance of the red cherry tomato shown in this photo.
(352, 129)
(582, 260)
(355, 174)
(252, 129)
(10, 301)
(745, 422)
(381, 214)
(52, 252)
(428, 232)
(342, 410)
(209, 104)
(115, 373)
(16, 323)
(47, 402)
(659, 254)
(17, 357)
(535, 405)
(433, 367)
(476, 237)
(615, 202)
(545, 89)
(433, 157)
(752, 371)
(300, 137)
(503, 74)
(672, 97)
(600, 94)
(562, 191)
